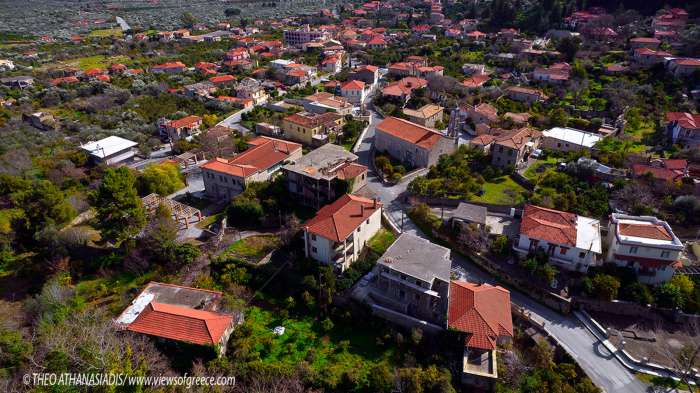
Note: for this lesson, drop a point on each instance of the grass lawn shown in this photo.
(116, 32)
(252, 249)
(97, 61)
(501, 191)
(381, 241)
(535, 172)
(330, 353)
(210, 220)
(110, 291)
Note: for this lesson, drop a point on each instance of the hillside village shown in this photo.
(388, 196)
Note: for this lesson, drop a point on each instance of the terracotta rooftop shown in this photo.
(480, 310)
(649, 231)
(552, 226)
(411, 132)
(684, 119)
(404, 87)
(353, 85)
(516, 139)
(264, 154)
(476, 81)
(338, 220)
(181, 323)
(185, 121)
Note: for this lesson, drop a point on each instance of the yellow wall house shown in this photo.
(312, 128)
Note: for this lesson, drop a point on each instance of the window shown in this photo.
(402, 294)
(633, 250)
(665, 254)
(582, 254)
(563, 250)
(367, 221)
(558, 144)
(314, 250)
(358, 228)
(313, 237)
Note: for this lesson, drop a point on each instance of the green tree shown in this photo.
(568, 47)
(162, 179)
(44, 204)
(245, 211)
(605, 286)
(118, 207)
(187, 19)
(684, 283)
(669, 296)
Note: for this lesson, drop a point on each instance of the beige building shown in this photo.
(508, 147)
(411, 143)
(226, 178)
(427, 115)
(312, 128)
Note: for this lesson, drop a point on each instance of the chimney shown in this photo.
(362, 210)
(374, 203)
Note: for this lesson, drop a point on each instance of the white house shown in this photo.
(568, 139)
(111, 150)
(6, 65)
(354, 91)
(339, 231)
(646, 244)
(570, 241)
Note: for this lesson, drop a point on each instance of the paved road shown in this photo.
(603, 369)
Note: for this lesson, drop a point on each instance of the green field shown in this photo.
(501, 191)
(533, 173)
(97, 61)
(253, 248)
(101, 33)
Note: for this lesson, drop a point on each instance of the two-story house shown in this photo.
(410, 143)
(354, 91)
(226, 178)
(570, 241)
(683, 128)
(184, 128)
(427, 115)
(410, 283)
(645, 244)
(481, 314)
(322, 175)
(252, 89)
(508, 147)
(339, 231)
(312, 128)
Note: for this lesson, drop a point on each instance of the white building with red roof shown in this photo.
(354, 91)
(339, 231)
(178, 313)
(481, 313)
(410, 143)
(683, 128)
(645, 244)
(570, 241)
(183, 128)
(225, 178)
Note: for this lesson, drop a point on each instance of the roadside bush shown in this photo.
(605, 287)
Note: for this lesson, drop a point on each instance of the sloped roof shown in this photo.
(339, 219)
(353, 85)
(265, 153)
(480, 310)
(410, 132)
(181, 323)
(649, 231)
(684, 119)
(517, 138)
(551, 225)
(185, 121)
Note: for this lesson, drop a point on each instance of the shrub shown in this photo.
(669, 296)
(605, 286)
(499, 245)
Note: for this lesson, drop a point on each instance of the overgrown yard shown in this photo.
(252, 249)
(97, 61)
(381, 241)
(331, 350)
(539, 168)
(501, 191)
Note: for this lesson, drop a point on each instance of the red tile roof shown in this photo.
(649, 231)
(552, 226)
(410, 132)
(186, 121)
(686, 120)
(476, 81)
(404, 87)
(656, 172)
(353, 85)
(181, 323)
(265, 153)
(174, 64)
(480, 310)
(338, 220)
(350, 170)
(222, 79)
